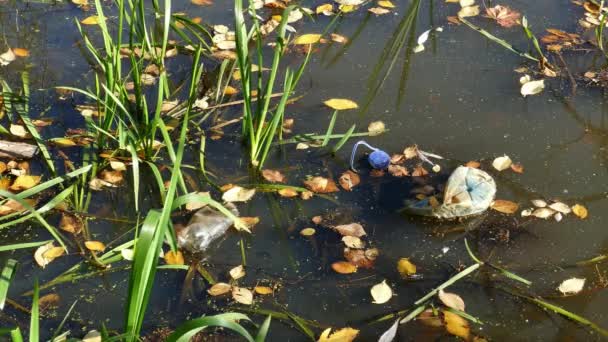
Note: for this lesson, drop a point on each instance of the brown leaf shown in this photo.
(419, 171)
(473, 163)
(351, 229)
(456, 325)
(348, 180)
(321, 185)
(317, 219)
(111, 176)
(344, 267)
(376, 173)
(505, 207)
(287, 192)
(174, 258)
(504, 16)
(237, 272)
(71, 223)
(397, 159)
(518, 168)
(342, 335)
(242, 295)
(249, 221)
(202, 2)
(273, 176)
(219, 289)
(306, 195)
(359, 258)
(10, 206)
(451, 300)
(398, 171)
(96, 246)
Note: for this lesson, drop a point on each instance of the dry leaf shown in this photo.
(468, 11)
(118, 165)
(263, 290)
(351, 229)
(386, 4)
(19, 131)
(361, 258)
(543, 213)
(473, 163)
(237, 272)
(325, 9)
(71, 223)
(21, 52)
(273, 176)
(561, 207)
(410, 152)
(321, 185)
(39, 254)
(287, 192)
(249, 221)
(505, 207)
(532, 87)
(92, 336)
(317, 219)
(353, 242)
(338, 38)
(381, 293)
(202, 2)
(242, 295)
(342, 335)
(539, 203)
(24, 182)
(348, 180)
(376, 128)
(378, 10)
(195, 204)
(451, 300)
(419, 171)
(405, 267)
(7, 57)
(504, 16)
(571, 286)
(390, 334)
(518, 168)
(398, 171)
(341, 104)
(219, 289)
(344, 267)
(580, 211)
(92, 20)
(310, 38)
(111, 176)
(11, 206)
(174, 258)
(238, 194)
(502, 163)
(96, 246)
(456, 325)
(308, 232)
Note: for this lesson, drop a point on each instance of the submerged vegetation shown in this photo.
(162, 85)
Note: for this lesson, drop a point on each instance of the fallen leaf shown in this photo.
(219, 289)
(386, 4)
(24, 182)
(376, 128)
(7, 57)
(456, 325)
(398, 171)
(410, 152)
(378, 10)
(504, 16)
(306, 195)
(197, 204)
(344, 267)
(502, 163)
(353, 242)
(338, 38)
(419, 171)
(342, 335)
(287, 192)
(96, 246)
(351, 229)
(249, 221)
(543, 213)
(263, 290)
(361, 258)
(310, 38)
(317, 219)
(532, 87)
(468, 11)
(308, 232)
(127, 254)
(53, 253)
(38, 254)
(561, 207)
(451, 300)
(92, 336)
(238, 194)
(21, 52)
(405, 267)
(19, 131)
(273, 176)
(325, 9)
(202, 2)
(118, 165)
(242, 295)
(341, 104)
(518, 168)
(111, 176)
(539, 203)
(429, 318)
(71, 223)
(465, 3)
(580, 211)
(174, 258)
(572, 286)
(558, 217)
(381, 293)
(237, 272)
(350, 2)
(348, 180)
(92, 20)
(505, 207)
(321, 185)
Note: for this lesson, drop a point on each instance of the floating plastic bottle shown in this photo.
(206, 226)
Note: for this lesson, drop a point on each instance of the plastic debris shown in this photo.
(206, 226)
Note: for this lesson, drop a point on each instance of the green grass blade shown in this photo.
(330, 128)
(35, 315)
(8, 272)
(449, 282)
(263, 332)
(344, 139)
(184, 332)
(23, 245)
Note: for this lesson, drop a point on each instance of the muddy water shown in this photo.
(459, 98)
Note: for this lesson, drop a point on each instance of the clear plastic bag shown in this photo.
(206, 226)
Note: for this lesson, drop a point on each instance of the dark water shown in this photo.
(459, 98)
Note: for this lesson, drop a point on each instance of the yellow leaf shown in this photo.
(237, 272)
(95, 246)
(92, 20)
(64, 142)
(24, 182)
(341, 104)
(505, 207)
(406, 267)
(242, 295)
(347, 8)
(263, 290)
(71, 223)
(344, 267)
(174, 258)
(456, 325)
(324, 9)
(219, 289)
(307, 232)
(309, 38)
(342, 335)
(386, 4)
(230, 90)
(53, 253)
(21, 52)
(580, 211)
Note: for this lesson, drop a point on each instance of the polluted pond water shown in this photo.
(168, 166)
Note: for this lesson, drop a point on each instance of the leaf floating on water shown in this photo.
(342, 335)
(237, 272)
(419, 171)
(353, 242)
(539, 203)
(456, 325)
(127, 254)
(505, 207)
(526, 212)
(465, 3)
(348, 180)
(273, 176)
(378, 10)
(341, 104)
(321, 185)
(95, 246)
(219, 289)
(398, 171)
(202, 2)
(24, 182)
(287, 192)
(558, 217)
(580, 211)
(350, 2)
(92, 20)
(21, 52)
(242, 295)
(469, 11)
(111, 176)
(376, 128)
(543, 213)
(71, 223)
(174, 258)
(572, 286)
(306, 195)
(351, 229)
(517, 168)
(308, 232)
(40, 251)
(390, 334)
(386, 4)
(263, 290)
(92, 336)
(405, 267)
(502, 163)
(325, 9)
(344, 267)
(338, 38)
(504, 16)
(305, 39)
(451, 300)
(561, 207)
(532, 88)
(19, 131)
(7, 57)
(361, 258)
(381, 293)
(238, 194)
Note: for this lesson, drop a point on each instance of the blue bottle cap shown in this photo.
(379, 159)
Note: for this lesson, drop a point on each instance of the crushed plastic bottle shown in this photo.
(206, 226)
